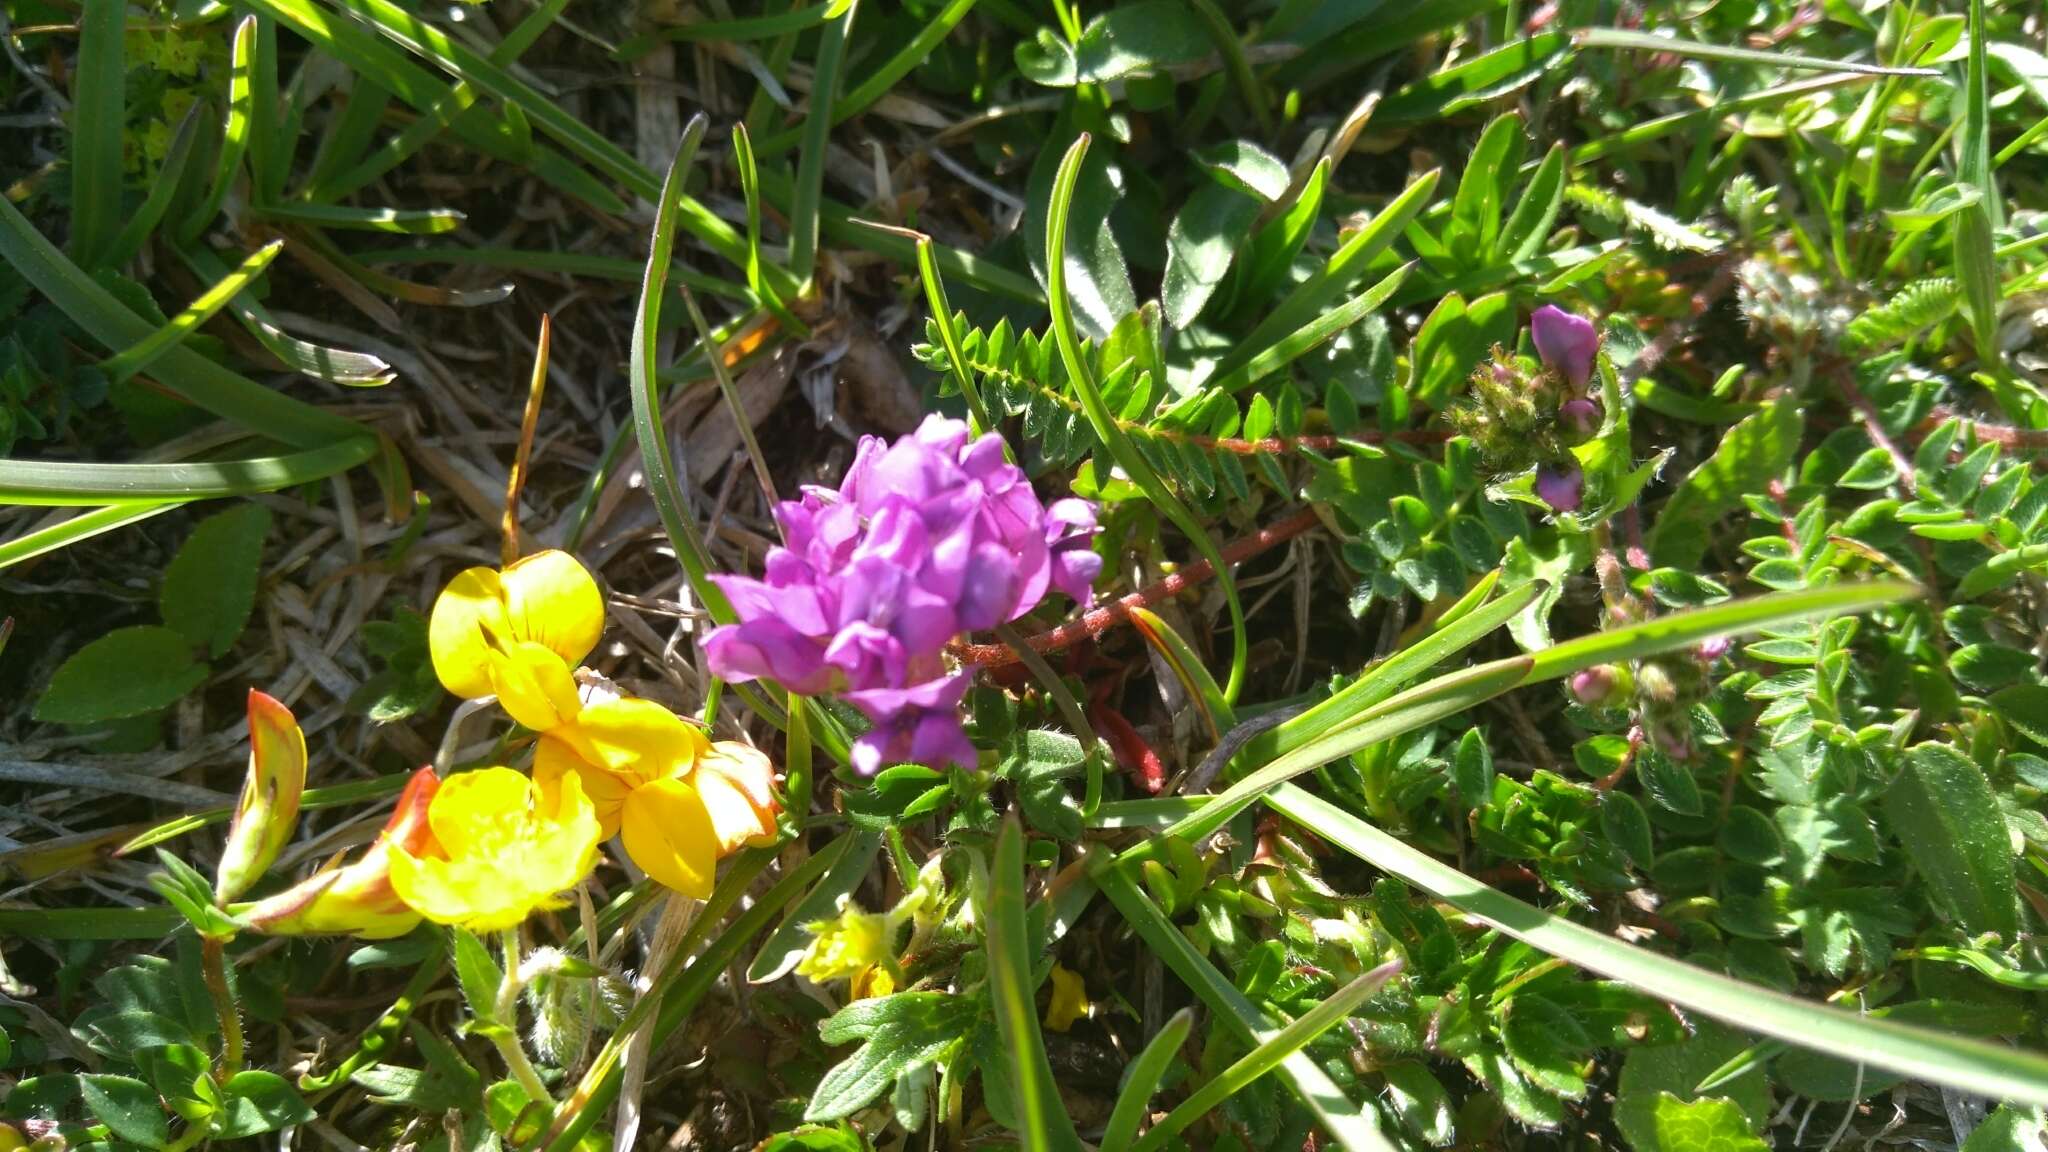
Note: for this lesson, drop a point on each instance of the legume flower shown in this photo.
(502, 848)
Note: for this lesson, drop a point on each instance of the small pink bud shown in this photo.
(1712, 650)
(1580, 419)
(1594, 686)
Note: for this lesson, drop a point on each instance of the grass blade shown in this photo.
(1104, 421)
(1650, 41)
(65, 483)
(162, 190)
(810, 165)
(1919, 1053)
(1976, 262)
(83, 526)
(1046, 1124)
(194, 377)
(402, 221)
(1301, 341)
(1353, 1126)
(235, 136)
(144, 352)
(1142, 1081)
(880, 80)
(99, 111)
(1267, 1056)
(334, 365)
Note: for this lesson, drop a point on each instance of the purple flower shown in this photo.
(1580, 418)
(926, 538)
(1565, 342)
(1561, 488)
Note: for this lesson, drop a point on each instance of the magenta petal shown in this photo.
(1561, 488)
(1565, 342)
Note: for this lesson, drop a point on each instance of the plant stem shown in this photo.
(1118, 611)
(506, 1035)
(213, 959)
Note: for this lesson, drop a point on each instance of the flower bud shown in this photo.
(1599, 686)
(1579, 419)
(1713, 649)
(1565, 342)
(1561, 488)
(1655, 684)
(737, 784)
(357, 899)
(268, 811)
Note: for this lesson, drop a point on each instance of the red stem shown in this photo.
(1099, 620)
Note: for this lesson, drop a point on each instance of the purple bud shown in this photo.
(1565, 342)
(1711, 650)
(1561, 488)
(1579, 418)
(1594, 686)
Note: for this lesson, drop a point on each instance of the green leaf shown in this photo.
(1942, 810)
(2009, 1129)
(1673, 1072)
(1129, 39)
(1654, 42)
(1142, 1081)
(1711, 1125)
(99, 111)
(1755, 451)
(1200, 245)
(2025, 707)
(127, 672)
(1483, 78)
(898, 1033)
(1246, 167)
(1472, 768)
(477, 971)
(259, 1102)
(128, 1108)
(210, 586)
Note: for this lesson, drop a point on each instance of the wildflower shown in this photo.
(502, 847)
(934, 535)
(1579, 418)
(1069, 999)
(848, 944)
(269, 808)
(516, 633)
(357, 899)
(1565, 342)
(1601, 686)
(680, 802)
(1562, 488)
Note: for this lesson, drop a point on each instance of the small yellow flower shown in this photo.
(516, 633)
(848, 944)
(269, 808)
(503, 847)
(1069, 999)
(680, 803)
(357, 899)
(871, 983)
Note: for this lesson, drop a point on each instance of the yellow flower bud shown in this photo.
(357, 899)
(269, 808)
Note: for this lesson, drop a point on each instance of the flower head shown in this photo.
(1561, 488)
(268, 811)
(502, 848)
(516, 633)
(357, 899)
(1069, 999)
(1565, 342)
(848, 944)
(680, 802)
(933, 535)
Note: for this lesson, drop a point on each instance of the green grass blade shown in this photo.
(162, 190)
(1650, 41)
(1313, 296)
(89, 923)
(190, 375)
(810, 165)
(401, 221)
(880, 80)
(334, 365)
(1267, 1056)
(741, 30)
(1353, 1125)
(1044, 1118)
(66, 483)
(1141, 1083)
(235, 136)
(1918, 1053)
(1680, 122)
(83, 526)
(1976, 263)
(1104, 421)
(1305, 339)
(1455, 692)
(144, 352)
(98, 115)
(664, 482)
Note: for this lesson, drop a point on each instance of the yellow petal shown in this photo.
(534, 686)
(552, 600)
(669, 835)
(1069, 999)
(637, 739)
(479, 812)
(555, 758)
(737, 783)
(471, 605)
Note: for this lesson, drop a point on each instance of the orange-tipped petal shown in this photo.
(268, 811)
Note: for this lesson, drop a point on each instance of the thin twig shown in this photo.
(1118, 611)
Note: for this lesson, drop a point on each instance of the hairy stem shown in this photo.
(506, 1035)
(213, 960)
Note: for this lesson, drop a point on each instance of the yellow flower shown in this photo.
(848, 944)
(269, 808)
(516, 633)
(357, 899)
(503, 847)
(1069, 1000)
(679, 802)
(871, 983)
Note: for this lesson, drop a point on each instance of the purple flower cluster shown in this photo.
(934, 535)
(1567, 344)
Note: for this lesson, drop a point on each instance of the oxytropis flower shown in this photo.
(934, 535)
(1519, 420)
